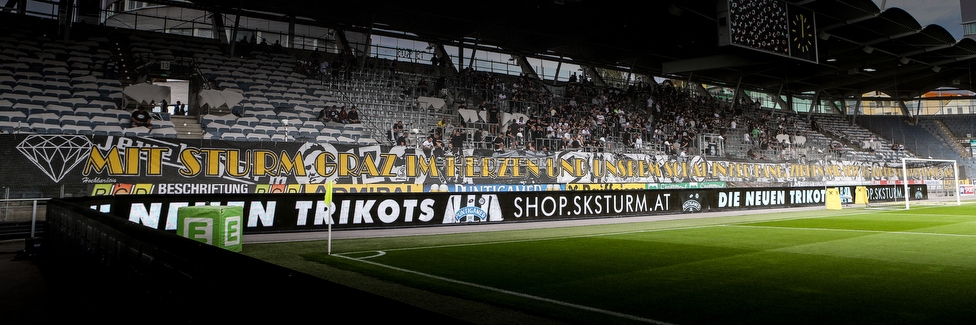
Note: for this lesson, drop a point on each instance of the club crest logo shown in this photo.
(692, 203)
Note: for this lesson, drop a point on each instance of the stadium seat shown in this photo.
(104, 105)
(345, 140)
(75, 102)
(289, 130)
(117, 113)
(16, 98)
(139, 131)
(217, 128)
(105, 120)
(331, 132)
(46, 118)
(367, 141)
(59, 110)
(45, 128)
(265, 129)
(109, 130)
(13, 116)
(76, 120)
(257, 136)
(23, 88)
(325, 139)
(90, 111)
(248, 120)
(242, 129)
(44, 100)
(169, 133)
(269, 121)
(233, 136)
(308, 132)
(28, 109)
(282, 138)
(76, 129)
(469, 115)
(352, 134)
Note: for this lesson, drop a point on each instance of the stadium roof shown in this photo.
(861, 48)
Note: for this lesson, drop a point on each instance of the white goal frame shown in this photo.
(955, 175)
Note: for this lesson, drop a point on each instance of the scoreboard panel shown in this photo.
(771, 26)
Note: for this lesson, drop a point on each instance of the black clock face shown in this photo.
(802, 31)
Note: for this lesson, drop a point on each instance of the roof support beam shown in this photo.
(890, 37)
(904, 108)
(707, 63)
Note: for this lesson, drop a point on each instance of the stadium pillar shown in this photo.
(778, 99)
(460, 56)
(218, 27)
(559, 66)
(19, 4)
(291, 32)
(904, 108)
(815, 104)
(237, 24)
(595, 76)
(342, 43)
(789, 103)
(857, 107)
(701, 90)
(738, 90)
(66, 7)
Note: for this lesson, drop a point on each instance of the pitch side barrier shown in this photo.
(295, 212)
(118, 272)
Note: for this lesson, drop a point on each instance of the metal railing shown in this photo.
(19, 222)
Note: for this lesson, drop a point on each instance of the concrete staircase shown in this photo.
(187, 127)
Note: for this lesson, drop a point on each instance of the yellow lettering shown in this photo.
(234, 163)
(294, 166)
(191, 162)
(111, 162)
(265, 163)
(154, 161)
(212, 162)
(132, 160)
(323, 167)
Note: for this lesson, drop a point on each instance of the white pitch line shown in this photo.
(513, 293)
(541, 239)
(581, 307)
(594, 235)
(855, 230)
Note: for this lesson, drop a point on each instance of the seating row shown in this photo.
(7, 127)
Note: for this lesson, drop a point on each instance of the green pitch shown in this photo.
(852, 266)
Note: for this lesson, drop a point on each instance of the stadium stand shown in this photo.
(60, 86)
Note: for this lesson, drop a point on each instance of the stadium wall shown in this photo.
(56, 165)
(270, 213)
(122, 273)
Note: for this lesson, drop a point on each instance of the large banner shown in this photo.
(308, 212)
(101, 165)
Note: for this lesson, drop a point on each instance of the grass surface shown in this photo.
(841, 267)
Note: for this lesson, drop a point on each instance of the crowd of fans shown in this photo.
(645, 117)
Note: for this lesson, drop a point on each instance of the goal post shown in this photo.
(940, 176)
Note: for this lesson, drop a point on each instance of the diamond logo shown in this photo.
(55, 155)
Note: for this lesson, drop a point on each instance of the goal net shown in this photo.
(920, 182)
(940, 178)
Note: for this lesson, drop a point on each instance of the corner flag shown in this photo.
(328, 206)
(328, 194)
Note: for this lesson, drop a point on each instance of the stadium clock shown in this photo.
(802, 32)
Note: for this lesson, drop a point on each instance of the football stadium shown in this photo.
(501, 162)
